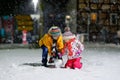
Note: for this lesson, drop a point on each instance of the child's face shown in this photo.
(55, 37)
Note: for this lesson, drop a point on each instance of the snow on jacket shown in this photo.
(73, 48)
(47, 41)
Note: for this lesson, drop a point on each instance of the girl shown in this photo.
(73, 48)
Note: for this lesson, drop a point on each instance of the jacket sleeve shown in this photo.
(60, 44)
(81, 46)
(46, 41)
(40, 42)
(49, 50)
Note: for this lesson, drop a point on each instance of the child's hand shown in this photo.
(53, 54)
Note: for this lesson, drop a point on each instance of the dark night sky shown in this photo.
(8, 6)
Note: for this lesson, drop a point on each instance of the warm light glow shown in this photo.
(94, 16)
(68, 17)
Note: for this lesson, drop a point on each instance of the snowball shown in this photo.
(58, 63)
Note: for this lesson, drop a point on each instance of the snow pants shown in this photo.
(44, 54)
(74, 63)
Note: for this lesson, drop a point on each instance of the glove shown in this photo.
(53, 54)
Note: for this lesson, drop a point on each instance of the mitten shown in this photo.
(53, 54)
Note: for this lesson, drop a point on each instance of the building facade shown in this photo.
(96, 16)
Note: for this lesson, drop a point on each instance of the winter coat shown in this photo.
(73, 48)
(47, 41)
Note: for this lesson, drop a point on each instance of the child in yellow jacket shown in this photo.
(51, 43)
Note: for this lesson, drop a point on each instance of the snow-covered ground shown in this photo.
(23, 64)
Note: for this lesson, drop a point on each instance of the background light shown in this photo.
(35, 4)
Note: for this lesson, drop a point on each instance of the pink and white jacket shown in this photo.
(73, 48)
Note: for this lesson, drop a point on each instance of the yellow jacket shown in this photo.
(47, 41)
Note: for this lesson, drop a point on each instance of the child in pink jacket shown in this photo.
(73, 48)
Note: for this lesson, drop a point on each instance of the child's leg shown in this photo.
(69, 64)
(77, 63)
(44, 55)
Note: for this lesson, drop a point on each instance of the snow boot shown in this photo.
(44, 62)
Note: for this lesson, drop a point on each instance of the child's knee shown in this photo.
(77, 65)
(68, 65)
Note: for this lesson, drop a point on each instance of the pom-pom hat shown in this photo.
(54, 31)
(67, 29)
(68, 35)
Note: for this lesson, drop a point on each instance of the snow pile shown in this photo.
(58, 63)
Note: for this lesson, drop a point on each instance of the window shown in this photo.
(113, 18)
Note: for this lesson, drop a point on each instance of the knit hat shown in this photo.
(67, 29)
(68, 35)
(54, 31)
